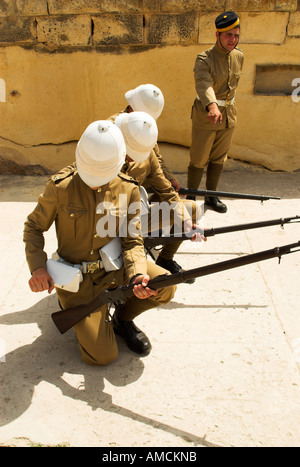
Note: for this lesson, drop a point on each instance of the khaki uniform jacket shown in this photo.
(74, 207)
(217, 74)
(151, 173)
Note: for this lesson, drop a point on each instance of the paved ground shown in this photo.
(224, 369)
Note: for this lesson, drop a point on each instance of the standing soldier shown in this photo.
(217, 72)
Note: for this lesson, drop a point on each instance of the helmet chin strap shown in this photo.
(228, 51)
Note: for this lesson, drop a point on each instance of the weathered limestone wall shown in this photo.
(65, 63)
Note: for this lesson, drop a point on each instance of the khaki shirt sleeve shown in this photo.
(204, 81)
(167, 172)
(159, 182)
(132, 245)
(38, 222)
(165, 190)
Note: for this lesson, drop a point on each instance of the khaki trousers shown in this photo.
(209, 146)
(95, 334)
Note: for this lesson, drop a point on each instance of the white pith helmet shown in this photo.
(100, 153)
(146, 98)
(140, 134)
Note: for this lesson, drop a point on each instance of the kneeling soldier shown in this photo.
(76, 199)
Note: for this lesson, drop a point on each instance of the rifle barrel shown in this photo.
(214, 268)
(224, 194)
(150, 242)
(250, 225)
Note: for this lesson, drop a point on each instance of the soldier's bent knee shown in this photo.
(167, 294)
(102, 357)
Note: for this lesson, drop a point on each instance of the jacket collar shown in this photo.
(221, 51)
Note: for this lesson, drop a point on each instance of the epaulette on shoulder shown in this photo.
(206, 53)
(127, 178)
(63, 174)
(202, 55)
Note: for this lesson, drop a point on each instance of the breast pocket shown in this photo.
(73, 221)
(236, 77)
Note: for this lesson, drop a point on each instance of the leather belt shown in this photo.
(222, 103)
(85, 266)
(225, 103)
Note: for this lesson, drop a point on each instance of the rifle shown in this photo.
(159, 239)
(66, 319)
(224, 194)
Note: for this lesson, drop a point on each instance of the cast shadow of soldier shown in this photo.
(51, 355)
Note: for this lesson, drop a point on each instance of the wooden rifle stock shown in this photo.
(66, 319)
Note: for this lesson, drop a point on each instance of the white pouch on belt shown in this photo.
(145, 207)
(111, 255)
(65, 276)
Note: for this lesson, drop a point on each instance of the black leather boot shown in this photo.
(136, 340)
(194, 177)
(215, 204)
(171, 266)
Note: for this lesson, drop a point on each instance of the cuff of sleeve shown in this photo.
(135, 265)
(208, 98)
(34, 264)
(136, 275)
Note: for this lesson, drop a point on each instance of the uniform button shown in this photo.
(99, 190)
(91, 252)
(96, 236)
(72, 214)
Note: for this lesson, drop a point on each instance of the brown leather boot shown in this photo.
(213, 174)
(194, 177)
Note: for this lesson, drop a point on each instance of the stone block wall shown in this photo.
(65, 63)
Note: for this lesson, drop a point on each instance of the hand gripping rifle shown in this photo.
(160, 239)
(224, 194)
(66, 319)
